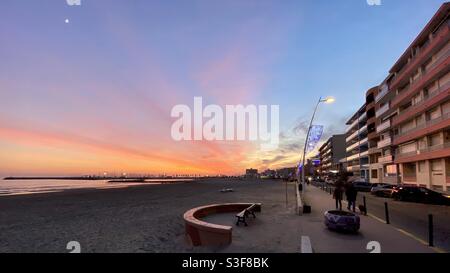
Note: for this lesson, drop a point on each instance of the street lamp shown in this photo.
(326, 100)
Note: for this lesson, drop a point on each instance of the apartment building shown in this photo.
(421, 126)
(408, 115)
(357, 146)
(381, 149)
(333, 150)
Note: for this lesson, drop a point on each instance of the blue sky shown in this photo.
(104, 83)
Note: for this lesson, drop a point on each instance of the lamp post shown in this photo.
(324, 100)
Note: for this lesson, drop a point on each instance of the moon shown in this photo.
(66, 21)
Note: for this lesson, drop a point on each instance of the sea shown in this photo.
(29, 186)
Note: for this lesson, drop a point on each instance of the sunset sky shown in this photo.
(95, 94)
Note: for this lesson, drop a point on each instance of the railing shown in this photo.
(424, 150)
(354, 123)
(414, 107)
(380, 95)
(385, 159)
(352, 157)
(423, 125)
(384, 143)
(353, 146)
(419, 55)
(356, 133)
(382, 110)
(383, 126)
(424, 74)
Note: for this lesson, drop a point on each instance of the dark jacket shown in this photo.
(351, 193)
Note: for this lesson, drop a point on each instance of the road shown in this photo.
(412, 217)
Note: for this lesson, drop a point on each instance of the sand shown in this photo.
(143, 218)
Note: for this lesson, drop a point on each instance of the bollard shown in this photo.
(365, 205)
(386, 211)
(430, 230)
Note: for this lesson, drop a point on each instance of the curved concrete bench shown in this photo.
(200, 233)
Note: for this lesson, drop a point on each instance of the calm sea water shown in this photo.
(17, 187)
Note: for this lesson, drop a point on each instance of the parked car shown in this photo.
(362, 186)
(420, 195)
(382, 190)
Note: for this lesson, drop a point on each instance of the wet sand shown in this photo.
(140, 218)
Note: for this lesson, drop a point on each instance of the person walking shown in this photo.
(337, 195)
(351, 194)
(339, 189)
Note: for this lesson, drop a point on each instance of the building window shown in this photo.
(390, 170)
(435, 139)
(447, 166)
(436, 165)
(422, 166)
(374, 173)
(409, 171)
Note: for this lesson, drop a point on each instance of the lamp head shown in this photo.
(328, 100)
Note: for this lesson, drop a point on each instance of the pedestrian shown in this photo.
(351, 194)
(339, 190)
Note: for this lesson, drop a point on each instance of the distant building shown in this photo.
(251, 173)
(330, 153)
(269, 173)
(287, 173)
(357, 146)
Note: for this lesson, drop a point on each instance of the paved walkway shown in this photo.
(324, 240)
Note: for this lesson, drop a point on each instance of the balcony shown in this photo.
(424, 125)
(384, 126)
(356, 133)
(352, 157)
(380, 95)
(384, 143)
(355, 123)
(385, 159)
(428, 153)
(440, 38)
(363, 154)
(352, 147)
(382, 110)
(428, 101)
(438, 69)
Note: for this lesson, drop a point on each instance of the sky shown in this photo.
(94, 94)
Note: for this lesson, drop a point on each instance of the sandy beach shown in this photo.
(139, 218)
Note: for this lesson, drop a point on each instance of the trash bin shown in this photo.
(300, 187)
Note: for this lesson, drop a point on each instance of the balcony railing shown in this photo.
(423, 125)
(356, 133)
(380, 95)
(424, 150)
(353, 146)
(385, 159)
(415, 60)
(352, 157)
(427, 74)
(355, 123)
(383, 126)
(385, 142)
(413, 108)
(382, 110)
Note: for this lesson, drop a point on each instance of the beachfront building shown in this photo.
(382, 168)
(333, 150)
(421, 100)
(251, 173)
(357, 154)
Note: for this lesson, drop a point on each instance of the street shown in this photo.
(410, 217)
